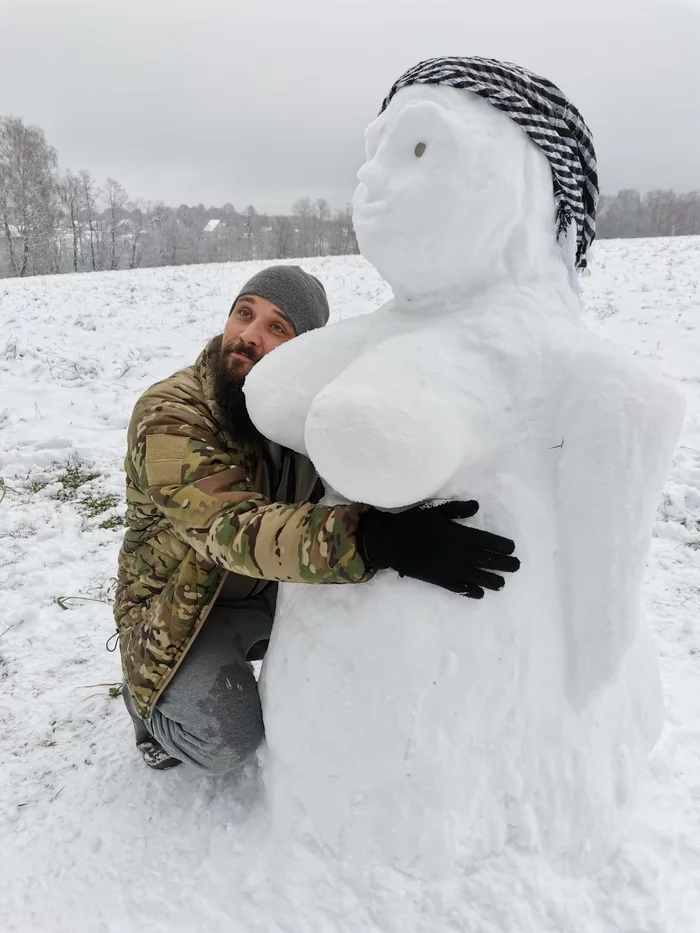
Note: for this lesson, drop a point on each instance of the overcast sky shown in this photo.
(263, 101)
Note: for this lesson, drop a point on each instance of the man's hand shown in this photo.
(424, 543)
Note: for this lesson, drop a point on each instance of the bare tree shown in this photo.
(687, 218)
(174, 243)
(27, 196)
(249, 231)
(343, 241)
(136, 234)
(303, 215)
(321, 216)
(281, 237)
(89, 197)
(116, 198)
(69, 190)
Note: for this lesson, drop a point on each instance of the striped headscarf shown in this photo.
(548, 118)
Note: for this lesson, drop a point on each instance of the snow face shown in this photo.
(475, 203)
(408, 726)
(88, 833)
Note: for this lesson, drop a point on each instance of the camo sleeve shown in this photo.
(207, 495)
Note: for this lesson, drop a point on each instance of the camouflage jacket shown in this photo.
(198, 511)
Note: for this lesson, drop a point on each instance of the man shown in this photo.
(216, 515)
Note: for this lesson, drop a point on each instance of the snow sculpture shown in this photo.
(407, 725)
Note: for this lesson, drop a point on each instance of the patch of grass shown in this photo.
(74, 475)
(114, 521)
(32, 486)
(93, 504)
(36, 485)
(114, 690)
(101, 593)
(4, 489)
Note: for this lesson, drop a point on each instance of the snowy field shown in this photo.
(93, 842)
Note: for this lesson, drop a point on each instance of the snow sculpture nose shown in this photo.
(372, 176)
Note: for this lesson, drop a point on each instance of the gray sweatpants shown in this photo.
(209, 714)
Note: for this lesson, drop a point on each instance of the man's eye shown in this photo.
(420, 149)
(244, 312)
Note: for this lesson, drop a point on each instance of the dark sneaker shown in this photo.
(156, 756)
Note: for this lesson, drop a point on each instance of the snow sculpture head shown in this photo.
(473, 166)
(447, 184)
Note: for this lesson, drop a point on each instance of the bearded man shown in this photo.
(217, 516)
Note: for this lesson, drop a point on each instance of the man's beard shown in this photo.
(228, 390)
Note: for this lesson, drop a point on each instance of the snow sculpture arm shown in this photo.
(620, 424)
(280, 388)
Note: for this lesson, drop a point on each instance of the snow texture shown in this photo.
(93, 842)
(406, 725)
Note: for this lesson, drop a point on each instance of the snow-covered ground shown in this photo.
(93, 842)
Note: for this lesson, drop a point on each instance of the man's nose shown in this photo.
(252, 333)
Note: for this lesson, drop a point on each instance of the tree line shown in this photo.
(54, 221)
(656, 213)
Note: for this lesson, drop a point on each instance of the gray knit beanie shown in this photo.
(300, 295)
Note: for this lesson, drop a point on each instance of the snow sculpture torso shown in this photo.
(405, 724)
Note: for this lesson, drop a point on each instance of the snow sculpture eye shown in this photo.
(420, 149)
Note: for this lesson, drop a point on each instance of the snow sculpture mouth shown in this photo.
(365, 210)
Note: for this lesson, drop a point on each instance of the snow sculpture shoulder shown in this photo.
(404, 723)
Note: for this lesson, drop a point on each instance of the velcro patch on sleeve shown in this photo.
(164, 456)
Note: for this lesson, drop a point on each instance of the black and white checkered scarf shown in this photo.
(549, 119)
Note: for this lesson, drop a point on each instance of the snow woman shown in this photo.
(406, 724)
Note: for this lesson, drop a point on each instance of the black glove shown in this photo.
(423, 542)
